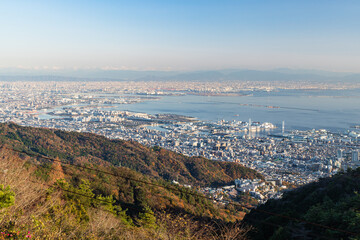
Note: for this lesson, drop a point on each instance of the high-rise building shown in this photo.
(340, 153)
(355, 156)
(249, 127)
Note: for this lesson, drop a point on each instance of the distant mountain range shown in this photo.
(218, 75)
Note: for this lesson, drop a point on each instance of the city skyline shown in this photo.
(180, 36)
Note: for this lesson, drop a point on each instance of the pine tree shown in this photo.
(147, 218)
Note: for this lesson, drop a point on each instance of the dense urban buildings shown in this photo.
(285, 158)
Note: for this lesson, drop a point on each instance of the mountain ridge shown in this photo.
(155, 162)
(205, 75)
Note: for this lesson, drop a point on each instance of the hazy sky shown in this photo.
(180, 34)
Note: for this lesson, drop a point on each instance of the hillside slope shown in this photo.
(50, 200)
(333, 203)
(155, 162)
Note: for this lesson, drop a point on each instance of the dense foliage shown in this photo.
(155, 162)
(332, 202)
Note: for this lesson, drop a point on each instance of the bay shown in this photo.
(335, 110)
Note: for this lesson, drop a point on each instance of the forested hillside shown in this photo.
(51, 200)
(327, 209)
(66, 185)
(155, 162)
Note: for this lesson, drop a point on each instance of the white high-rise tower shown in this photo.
(249, 127)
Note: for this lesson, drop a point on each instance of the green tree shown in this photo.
(78, 199)
(147, 218)
(7, 197)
